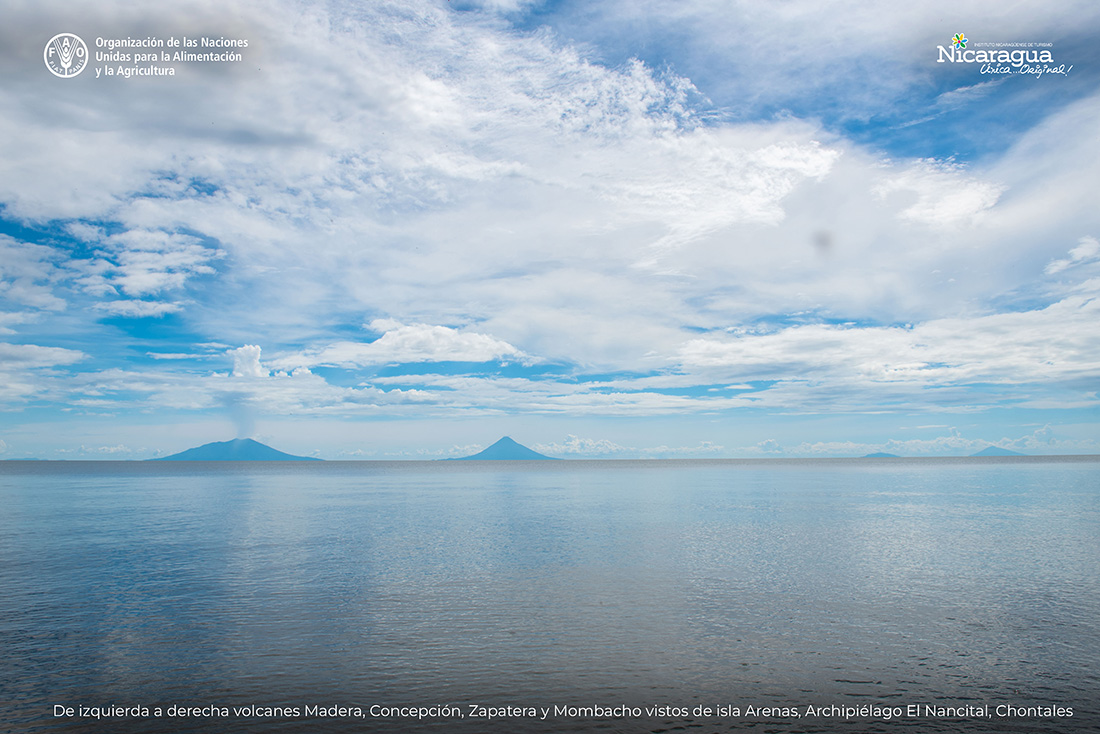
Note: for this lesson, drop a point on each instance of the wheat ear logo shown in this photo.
(959, 40)
(65, 55)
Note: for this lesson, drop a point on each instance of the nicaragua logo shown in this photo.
(65, 55)
(1014, 54)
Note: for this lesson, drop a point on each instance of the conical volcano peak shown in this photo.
(507, 449)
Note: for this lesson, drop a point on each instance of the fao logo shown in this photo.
(66, 55)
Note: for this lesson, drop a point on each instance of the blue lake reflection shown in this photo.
(692, 584)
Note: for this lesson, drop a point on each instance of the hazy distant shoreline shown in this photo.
(589, 461)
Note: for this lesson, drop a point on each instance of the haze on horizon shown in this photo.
(614, 229)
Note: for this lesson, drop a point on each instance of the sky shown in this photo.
(608, 229)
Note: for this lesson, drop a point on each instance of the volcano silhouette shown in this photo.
(239, 449)
(507, 450)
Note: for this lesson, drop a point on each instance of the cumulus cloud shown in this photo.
(488, 195)
(141, 272)
(477, 175)
(575, 446)
(109, 450)
(769, 446)
(141, 263)
(408, 343)
(246, 361)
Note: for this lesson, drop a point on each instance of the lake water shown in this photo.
(593, 590)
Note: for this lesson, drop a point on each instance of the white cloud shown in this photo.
(138, 309)
(33, 356)
(9, 319)
(145, 273)
(502, 6)
(755, 56)
(246, 361)
(408, 343)
(769, 446)
(501, 196)
(28, 273)
(1047, 345)
(699, 182)
(142, 262)
(1041, 442)
(1087, 250)
(455, 451)
(118, 449)
(962, 96)
(175, 355)
(474, 175)
(577, 447)
(945, 196)
(26, 373)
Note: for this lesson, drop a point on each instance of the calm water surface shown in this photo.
(783, 584)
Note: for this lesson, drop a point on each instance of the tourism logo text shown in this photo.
(1031, 57)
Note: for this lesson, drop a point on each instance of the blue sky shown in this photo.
(608, 229)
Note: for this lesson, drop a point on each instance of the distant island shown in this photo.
(506, 450)
(997, 451)
(239, 449)
(881, 455)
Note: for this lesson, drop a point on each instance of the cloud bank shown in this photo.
(416, 210)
